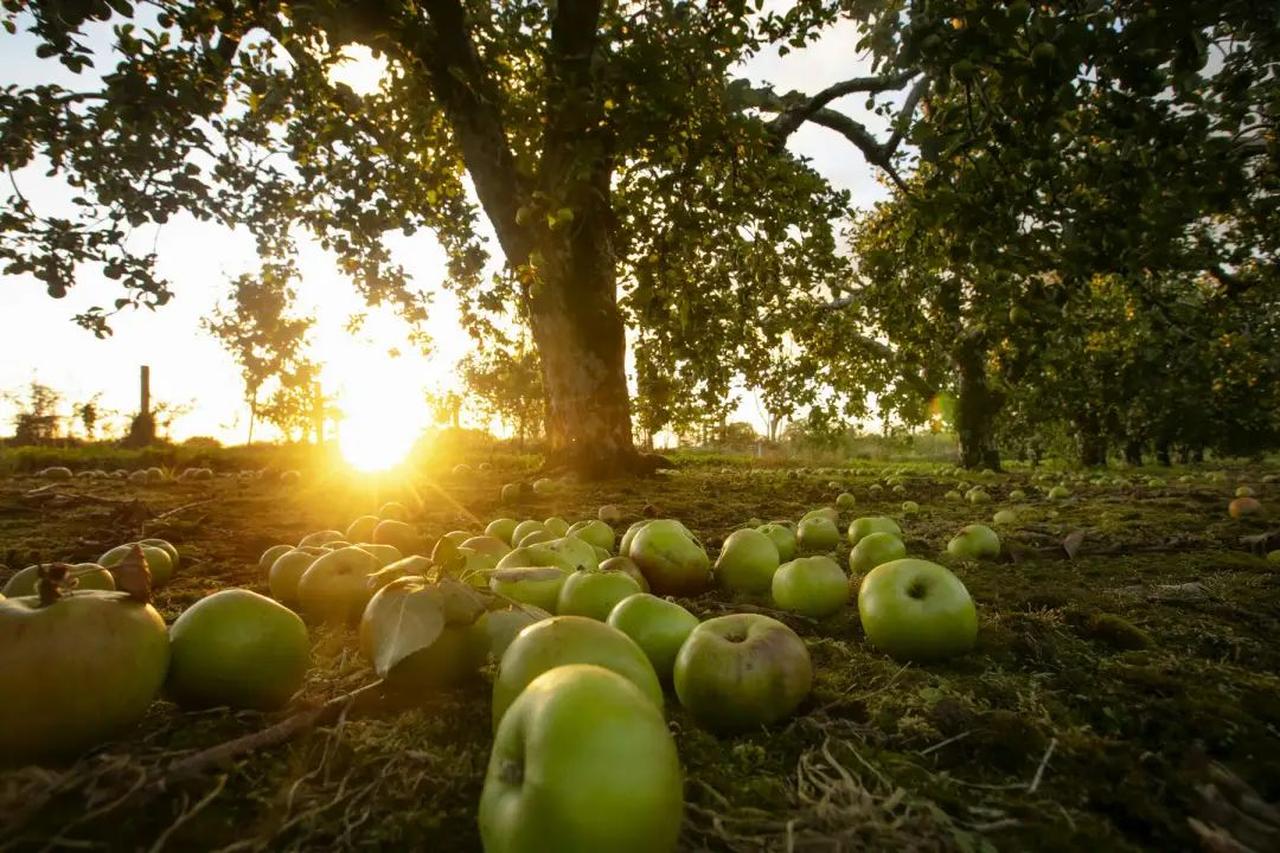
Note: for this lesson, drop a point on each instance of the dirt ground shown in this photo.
(1119, 698)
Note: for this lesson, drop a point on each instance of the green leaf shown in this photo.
(403, 618)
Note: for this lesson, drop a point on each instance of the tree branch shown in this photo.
(790, 120)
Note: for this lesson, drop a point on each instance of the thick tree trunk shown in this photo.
(976, 408)
(1163, 455)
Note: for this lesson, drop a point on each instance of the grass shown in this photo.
(1109, 694)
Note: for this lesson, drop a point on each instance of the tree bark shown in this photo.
(1133, 452)
(1162, 454)
(976, 408)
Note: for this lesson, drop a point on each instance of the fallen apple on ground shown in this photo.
(747, 562)
(874, 549)
(158, 561)
(501, 528)
(869, 524)
(237, 648)
(673, 562)
(811, 586)
(582, 763)
(563, 640)
(817, 533)
(593, 593)
(975, 542)
(269, 557)
(536, 585)
(86, 575)
(784, 538)
(1244, 507)
(335, 589)
(658, 625)
(285, 573)
(917, 610)
(742, 671)
(361, 530)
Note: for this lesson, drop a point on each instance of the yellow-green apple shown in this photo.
(237, 648)
(747, 562)
(1005, 517)
(817, 533)
(385, 554)
(510, 493)
(495, 629)
(673, 562)
(738, 672)
(158, 562)
(783, 536)
(501, 528)
(868, 524)
(593, 593)
(845, 501)
(536, 585)
(285, 573)
(269, 557)
(582, 763)
(811, 586)
(86, 575)
(523, 529)
(609, 514)
(488, 545)
(556, 526)
(917, 610)
(400, 534)
(563, 640)
(335, 589)
(874, 549)
(597, 532)
(361, 530)
(658, 625)
(320, 537)
(628, 565)
(974, 542)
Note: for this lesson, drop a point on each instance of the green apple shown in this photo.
(1017, 495)
(399, 534)
(747, 562)
(501, 528)
(624, 545)
(975, 542)
(544, 486)
(826, 512)
(320, 537)
(953, 496)
(1058, 493)
(269, 557)
(869, 524)
(393, 511)
(536, 585)
(610, 515)
(335, 589)
(165, 546)
(538, 537)
(385, 554)
(495, 629)
(628, 566)
(75, 671)
(543, 555)
(977, 495)
(457, 537)
(523, 529)
(784, 538)
(594, 593)
(598, 533)
(917, 610)
(563, 640)
(285, 573)
(658, 625)
(1273, 556)
(361, 530)
(811, 586)
(556, 526)
(845, 501)
(673, 561)
(874, 549)
(237, 648)
(87, 576)
(158, 562)
(487, 545)
(1005, 517)
(910, 507)
(510, 493)
(738, 672)
(582, 763)
(817, 533)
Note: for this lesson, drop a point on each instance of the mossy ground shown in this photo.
(1104, 688)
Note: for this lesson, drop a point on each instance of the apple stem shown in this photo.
(55, 581)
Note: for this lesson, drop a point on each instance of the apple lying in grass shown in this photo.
(556, 526)
(86, 576)
(845, 501)
(658, 625)
(582, 761)
(953, 496)
(361, 530)
(269, 557)
(1017, 495)
(975, 542)
(593, 593)
(811, 586)
(784, 538)
(917, 610)
(596, 532)
(628, 566)
(400, 535)
(501, 528)
(869, 524)
(563, 640)
(742, 671)
(1005, 517)
(75, 670)
(158, 561)
(673, 562)
(334, 589)
(977, 495)
(237, 648)
(285, 573)
(747, 562)
(1058, 493)
(874, 549)
(495, 629)
(817, 533)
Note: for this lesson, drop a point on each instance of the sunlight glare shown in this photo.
(377, 440)
(359, 69)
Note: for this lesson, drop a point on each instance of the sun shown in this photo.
(377, 440)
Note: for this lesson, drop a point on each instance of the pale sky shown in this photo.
(38, 339)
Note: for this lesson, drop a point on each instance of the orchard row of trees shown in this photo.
(1082, 232)
(43, 415)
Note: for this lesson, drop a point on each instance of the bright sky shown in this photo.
(38, 339)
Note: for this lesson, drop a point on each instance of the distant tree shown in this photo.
(37, 421)
(90, 414)
(446, 407)
(264, 340)
(166, 413)
(506, 383)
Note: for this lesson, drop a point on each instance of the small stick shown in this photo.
(1035, 781)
